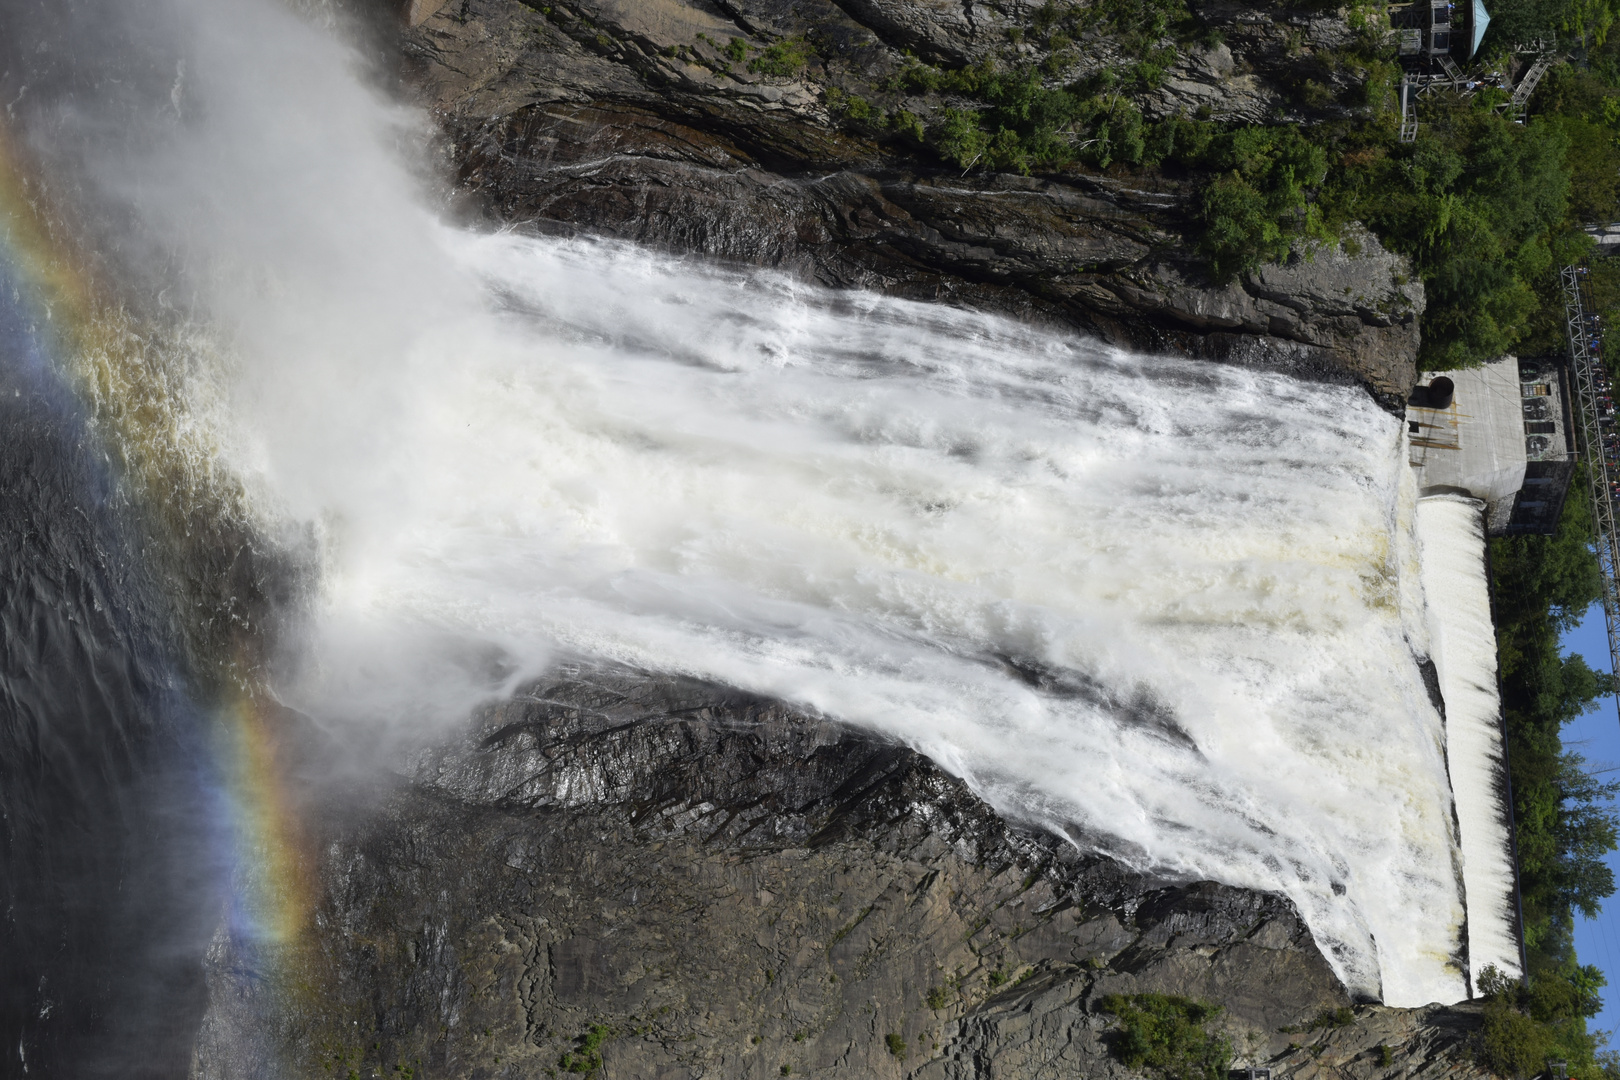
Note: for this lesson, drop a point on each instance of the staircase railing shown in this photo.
(1528, 84)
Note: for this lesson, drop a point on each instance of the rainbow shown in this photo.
(121, 372)
(273, 905)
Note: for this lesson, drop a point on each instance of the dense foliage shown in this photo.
(1483, 205)
(1258, 203)
(1168, 1036)
(1527, 1026)
(1542, 586)
(1479, 204)
(1564, 817)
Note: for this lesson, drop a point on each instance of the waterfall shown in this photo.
(1451, 531)
(1169, 609)
(1165, 607)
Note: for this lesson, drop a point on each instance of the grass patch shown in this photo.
(1343, 1016)
(845, 930)
(784, 59)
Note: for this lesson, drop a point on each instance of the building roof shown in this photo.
(1476, 27)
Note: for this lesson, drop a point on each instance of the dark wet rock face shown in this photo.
(727, 887)
(629, 120)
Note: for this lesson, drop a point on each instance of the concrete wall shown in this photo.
(1475, 446)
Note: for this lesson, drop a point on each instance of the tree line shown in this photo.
(1564, 814)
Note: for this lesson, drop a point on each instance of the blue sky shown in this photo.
(1596, 736)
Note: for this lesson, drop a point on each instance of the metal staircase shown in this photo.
(1453, 79)
(1408, 94)
(1528, 84)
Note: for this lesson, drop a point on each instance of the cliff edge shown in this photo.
(651, 877)
(649, 122)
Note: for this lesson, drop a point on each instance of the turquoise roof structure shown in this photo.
(1476, 27)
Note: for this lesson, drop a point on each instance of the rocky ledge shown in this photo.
(717, 886)
(633, 120)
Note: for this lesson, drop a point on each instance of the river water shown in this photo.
(109, 879)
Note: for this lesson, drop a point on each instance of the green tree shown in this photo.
(1587, 824)
(1564, 816)
(1477, 202)
(1261, 199)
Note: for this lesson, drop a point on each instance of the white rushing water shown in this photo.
(907, 517)
(1463, 644)
(1167, 607)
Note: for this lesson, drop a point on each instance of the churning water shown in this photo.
(1170, 609)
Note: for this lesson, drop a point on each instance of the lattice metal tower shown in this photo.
(1586, 366)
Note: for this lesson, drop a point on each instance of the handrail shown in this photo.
(1454, 79)
(1527, 85)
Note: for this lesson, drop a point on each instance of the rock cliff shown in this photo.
(643, 121)
(719, 887)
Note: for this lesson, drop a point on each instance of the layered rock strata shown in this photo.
(633, 120)
(721, 887)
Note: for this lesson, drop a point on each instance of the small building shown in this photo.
(1430, 29)
(1549, 426)
(1501, 433)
